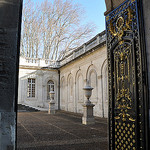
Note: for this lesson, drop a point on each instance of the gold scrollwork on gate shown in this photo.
(124, 74)
(122, 56)
(121, 25)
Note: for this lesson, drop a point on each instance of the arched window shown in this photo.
(50, 86)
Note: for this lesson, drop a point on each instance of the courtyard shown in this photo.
(62, 131)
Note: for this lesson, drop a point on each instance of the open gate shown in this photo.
(126, 78)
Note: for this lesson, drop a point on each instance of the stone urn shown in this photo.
(88, 117)
(88, 92)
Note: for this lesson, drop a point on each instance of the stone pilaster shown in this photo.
(10, 27)
(39, 74)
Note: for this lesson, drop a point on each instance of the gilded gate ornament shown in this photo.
(121, 24)
(124, 78)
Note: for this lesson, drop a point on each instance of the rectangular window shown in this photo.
(31, 87)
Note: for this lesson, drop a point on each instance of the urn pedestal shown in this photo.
(51, 103)
(88, 117)
(51, 107)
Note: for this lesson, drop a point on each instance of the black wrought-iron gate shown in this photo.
(126, 70)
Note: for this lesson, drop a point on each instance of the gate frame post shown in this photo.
(10, 33)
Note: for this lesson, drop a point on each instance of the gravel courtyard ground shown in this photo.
(62, 131)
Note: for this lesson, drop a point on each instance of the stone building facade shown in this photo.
(67, 78)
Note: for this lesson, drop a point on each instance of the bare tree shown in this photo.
(52, 28)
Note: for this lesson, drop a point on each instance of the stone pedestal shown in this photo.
(88, 117)
(51, 107)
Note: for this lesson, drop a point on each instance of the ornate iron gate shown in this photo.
(126, 80)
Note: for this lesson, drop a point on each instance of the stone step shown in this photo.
(24, 108)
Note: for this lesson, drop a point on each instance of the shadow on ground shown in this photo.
(62, 131)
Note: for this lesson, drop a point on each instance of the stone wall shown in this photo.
(73, 77)
(112, 4)
(146, 12)
(88, 62)
(10, 28)
(41, 76)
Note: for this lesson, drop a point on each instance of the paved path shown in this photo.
(62, 131)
